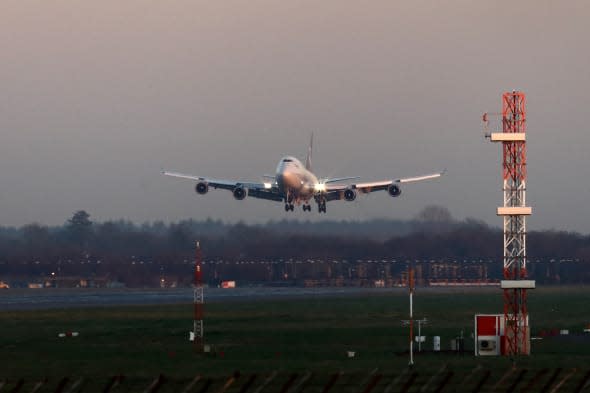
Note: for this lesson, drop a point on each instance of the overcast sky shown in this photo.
(97, 96)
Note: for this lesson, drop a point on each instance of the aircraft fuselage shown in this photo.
(294, 181)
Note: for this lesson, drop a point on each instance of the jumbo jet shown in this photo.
(294, 184)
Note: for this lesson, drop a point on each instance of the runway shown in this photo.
(52, 298)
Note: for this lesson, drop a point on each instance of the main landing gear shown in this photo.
(289, 207)
(321, 201)
(289, 203)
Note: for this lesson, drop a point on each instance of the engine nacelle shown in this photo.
(202, 188)
(349, 195)
(394, 190)
(240, 193)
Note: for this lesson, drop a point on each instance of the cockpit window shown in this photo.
(287, 160)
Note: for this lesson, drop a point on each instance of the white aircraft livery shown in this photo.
(294, 184)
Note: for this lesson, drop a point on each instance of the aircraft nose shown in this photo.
(288, 180)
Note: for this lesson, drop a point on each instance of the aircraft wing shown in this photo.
(268, 191)
(336, 191)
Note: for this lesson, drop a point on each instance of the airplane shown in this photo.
(294, 184)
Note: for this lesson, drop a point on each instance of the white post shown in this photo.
(411, 331)
(411, 284)
(420, 336)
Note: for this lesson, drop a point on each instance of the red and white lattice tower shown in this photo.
(514, 213)
(198, 302)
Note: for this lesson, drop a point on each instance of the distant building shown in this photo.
(228, 284)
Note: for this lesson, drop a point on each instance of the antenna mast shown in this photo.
(514, 212)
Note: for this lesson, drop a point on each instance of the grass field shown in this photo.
(300, 335)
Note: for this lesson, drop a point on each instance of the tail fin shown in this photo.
(309, 153)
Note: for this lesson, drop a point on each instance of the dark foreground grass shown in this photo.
(290, 336)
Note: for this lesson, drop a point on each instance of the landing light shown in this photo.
(320, 187)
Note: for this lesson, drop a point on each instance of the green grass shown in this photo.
(291, 335)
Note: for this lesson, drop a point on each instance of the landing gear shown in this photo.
(306, 208)
(289, 203)
(321, 201)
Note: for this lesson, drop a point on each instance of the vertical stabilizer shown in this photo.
(309, 152)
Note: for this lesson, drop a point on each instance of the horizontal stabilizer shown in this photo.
(420, 178)
(339, 179)
(182, 175)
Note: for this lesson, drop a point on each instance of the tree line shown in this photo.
(427, 236)
(431, 234)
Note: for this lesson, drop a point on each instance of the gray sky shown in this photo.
(97, 97)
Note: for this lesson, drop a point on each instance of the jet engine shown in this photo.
(349, 195)
(202, 188)
(394, 190)
(240, 193)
